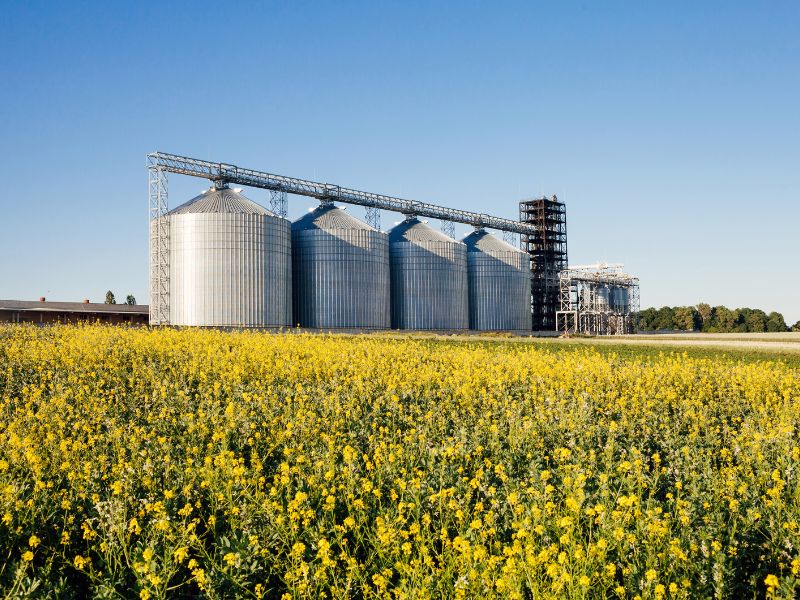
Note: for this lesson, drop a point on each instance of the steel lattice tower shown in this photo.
(547, 248)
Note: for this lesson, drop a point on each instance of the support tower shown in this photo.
(547, 248)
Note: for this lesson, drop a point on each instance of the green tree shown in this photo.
(706, 313)
(796, 326)
(110, 297)
(130, 300)
(756, 320)
(775, 322)
(665, 319)
(647, 319)
(715, 319)
(687, 318)
(726, 319)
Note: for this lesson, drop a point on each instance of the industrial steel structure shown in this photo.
(547, 247)
(160, 164)
(159, 246)
(278, 203)
(598, 299)
(221, 259)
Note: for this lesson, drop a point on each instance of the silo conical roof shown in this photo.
(414, 230)
(481, 240)
(222, 200)
(327, 217)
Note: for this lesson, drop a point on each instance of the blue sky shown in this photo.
(671, 130)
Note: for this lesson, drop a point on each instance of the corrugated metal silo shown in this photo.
(429, 278)
(340, 271)
(229, 263)
(619, 299)
(602, 296)
(499, 277)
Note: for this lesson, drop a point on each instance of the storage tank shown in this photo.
(340, 271)
(429, 278)
(619, 299)
(229, 263)
(499, 279)
(601, 296)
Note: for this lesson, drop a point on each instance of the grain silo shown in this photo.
(619, 299)
(229, 263)
(499, 278)
(340, 271)
(429, 278)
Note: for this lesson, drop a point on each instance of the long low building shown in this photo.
(44, 312)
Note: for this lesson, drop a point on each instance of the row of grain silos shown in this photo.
(234, 263)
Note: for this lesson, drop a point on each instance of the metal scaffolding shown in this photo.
(448, 228)
(159, 245)
(373, 218)
(547, 247)
(278, 203)
(511, 238)
(598, 299)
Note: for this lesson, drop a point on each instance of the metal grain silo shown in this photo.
(229, 263)
(340, 271)
(602, 295)
(619, 299)
(429, 278)
(499, 277)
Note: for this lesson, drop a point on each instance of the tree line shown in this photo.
(712, 319)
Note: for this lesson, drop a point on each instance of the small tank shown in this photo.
(340, 271)
(499, 278)
(229, 263)
(429, 278)
(619, 299)
(602, 297)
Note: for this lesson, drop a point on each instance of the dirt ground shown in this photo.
(778, 343)
(783, 342)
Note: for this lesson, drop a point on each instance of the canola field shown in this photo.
(149, 464)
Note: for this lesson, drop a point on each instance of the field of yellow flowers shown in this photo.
(137, 463)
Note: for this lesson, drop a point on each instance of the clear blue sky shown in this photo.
(671, 129)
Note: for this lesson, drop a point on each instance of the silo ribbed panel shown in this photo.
(429, 278)
(499, 284)
(230, 263)
(340, 272)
